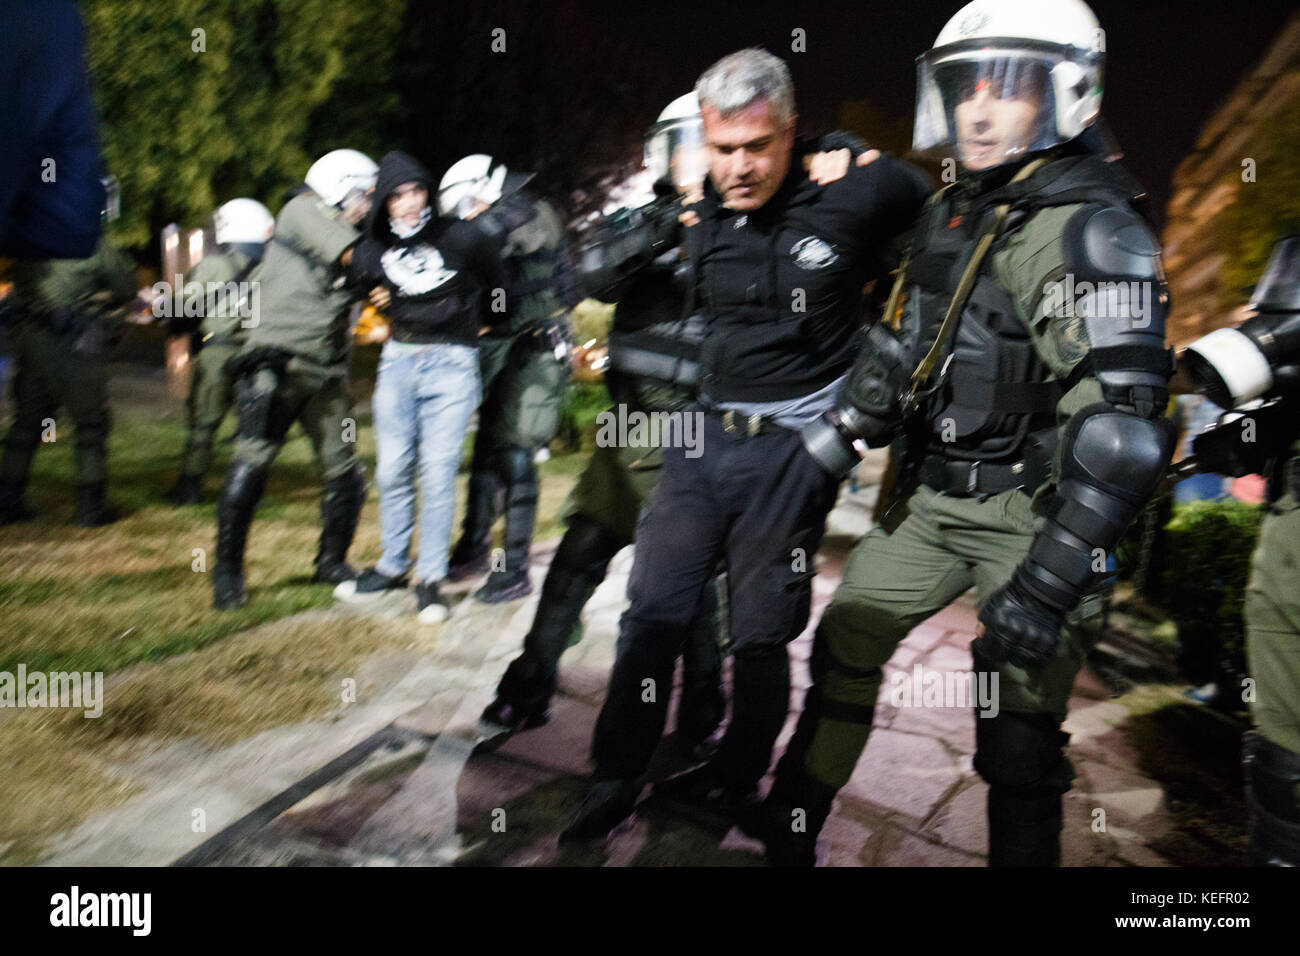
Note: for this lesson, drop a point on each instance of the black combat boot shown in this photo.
(92, 510)
(520, 476)
(12, 508)
(470, 555)
(791, 817)
(240, 494)
(524, 694)
(1024, 826)
(1273, 793)
(340, 508)
(1022, 758)
(188, 490)
(607, 804)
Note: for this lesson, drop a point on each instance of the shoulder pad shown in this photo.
(1110, 242)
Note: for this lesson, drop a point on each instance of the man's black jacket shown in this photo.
(782, 285)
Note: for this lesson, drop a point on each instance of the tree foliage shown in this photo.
(204, 100)
(1266, 209)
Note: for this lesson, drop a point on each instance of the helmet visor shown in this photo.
(990, 105)
(675, 149)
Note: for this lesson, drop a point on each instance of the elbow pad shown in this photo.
(1111, 463)
(1114, 285)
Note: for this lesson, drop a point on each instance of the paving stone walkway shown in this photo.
(392, 779)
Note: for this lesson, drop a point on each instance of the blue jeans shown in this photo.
(424, 398)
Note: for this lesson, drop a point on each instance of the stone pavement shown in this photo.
(392, 780)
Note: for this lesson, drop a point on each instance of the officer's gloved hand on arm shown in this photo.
(868, 413)
(1111, 462)
(1018, 628)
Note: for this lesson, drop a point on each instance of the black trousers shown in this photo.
(759, 502)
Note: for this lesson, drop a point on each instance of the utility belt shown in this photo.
(970, 479)
(736, 423)
(88, 331)
(203, 341)
(60, 321)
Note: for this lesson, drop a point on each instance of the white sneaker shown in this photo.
(369, 586)
(433, 614)
(433, 606)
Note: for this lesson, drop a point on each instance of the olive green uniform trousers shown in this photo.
(50, 375)
(1273, 624)
(929, 550)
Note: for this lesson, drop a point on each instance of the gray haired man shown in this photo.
(779, 264)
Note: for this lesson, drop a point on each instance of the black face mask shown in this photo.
(252, 250)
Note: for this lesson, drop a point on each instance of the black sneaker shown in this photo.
(433, 606)
(466, 563)
(704, 796)
(227, 590)
(504, 586)
(371, 584)
(607, 804)
(333, 572)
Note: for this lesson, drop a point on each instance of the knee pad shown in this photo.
(349, 488)
(1023, 751)
(857, 637)
(244, 484)
(516, 467)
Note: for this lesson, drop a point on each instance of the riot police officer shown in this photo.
(65, 312)
(632, 257)
(1255, 368)
(242, 228)
(1027, 403)
(294, 367)
(524, 370)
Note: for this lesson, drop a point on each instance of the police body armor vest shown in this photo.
(994, 402)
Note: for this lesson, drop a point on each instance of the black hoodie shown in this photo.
(443, 279)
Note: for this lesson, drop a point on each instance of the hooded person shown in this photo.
(436, 279)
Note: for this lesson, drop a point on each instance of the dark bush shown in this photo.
(1205, 565)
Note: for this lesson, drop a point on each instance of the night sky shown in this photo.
(1168, 64)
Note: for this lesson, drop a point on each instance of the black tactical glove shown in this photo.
(1243, 443)
(1018, 628)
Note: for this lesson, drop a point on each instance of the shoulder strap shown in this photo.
(922, 373)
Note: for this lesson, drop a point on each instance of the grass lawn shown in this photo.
(133, 600)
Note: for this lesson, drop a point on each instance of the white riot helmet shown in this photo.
(674, 145)
(344, 178)
(1048, 52)
(473, 179)
(242, 220)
